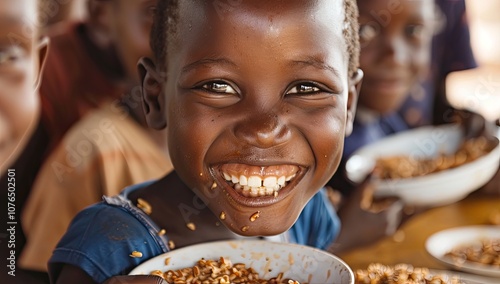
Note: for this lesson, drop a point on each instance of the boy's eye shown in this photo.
(367, 32)
(218, 87)
(303, 88)
(415, 31)
(10, 54)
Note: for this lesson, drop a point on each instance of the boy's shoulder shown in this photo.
(105, 240)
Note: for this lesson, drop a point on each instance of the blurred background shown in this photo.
(476, 90)
(479, 89)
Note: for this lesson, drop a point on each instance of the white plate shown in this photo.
(434, 189)
(467, 278)
(444, 241)
(301, 263)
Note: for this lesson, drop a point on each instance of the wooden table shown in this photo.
(408, 244)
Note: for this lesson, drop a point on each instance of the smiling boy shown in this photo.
(257, 103)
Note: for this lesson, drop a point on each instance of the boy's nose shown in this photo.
(394, 50)
(263, 131)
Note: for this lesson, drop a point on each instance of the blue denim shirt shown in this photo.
(101, 238)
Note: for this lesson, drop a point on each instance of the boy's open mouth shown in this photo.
(255, 181)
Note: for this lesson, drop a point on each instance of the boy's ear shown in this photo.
(352, 101)
(43, 49)
(152, 94)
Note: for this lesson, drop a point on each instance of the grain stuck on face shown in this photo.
(144, 206)
(254, 216)
(222, 215)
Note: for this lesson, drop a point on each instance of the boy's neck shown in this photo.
(174, 206)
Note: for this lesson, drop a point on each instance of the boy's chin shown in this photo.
(260, 230)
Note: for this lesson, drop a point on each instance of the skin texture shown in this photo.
(234, 97)
(395, 41)
(21, 55)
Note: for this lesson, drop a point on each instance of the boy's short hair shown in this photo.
(166, 19)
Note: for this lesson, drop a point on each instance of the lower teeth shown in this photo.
(257, 191)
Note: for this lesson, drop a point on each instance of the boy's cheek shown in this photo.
(12, 79)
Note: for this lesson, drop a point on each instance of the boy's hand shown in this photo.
(473, 124)
(365, 220)
(136, 279)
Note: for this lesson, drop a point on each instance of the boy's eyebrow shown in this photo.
(206, 61)
(309, 61)
(316, 63)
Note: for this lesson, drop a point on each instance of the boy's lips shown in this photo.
(258, 185)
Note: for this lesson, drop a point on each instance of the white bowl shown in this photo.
(302, 263)
(444, 241)
(434, 189)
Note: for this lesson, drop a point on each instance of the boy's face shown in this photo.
(19, 71)
(395, 38)
(130, 25)
(257, 100)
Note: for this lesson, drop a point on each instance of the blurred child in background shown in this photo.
(451, 51)
(395, 38)
(394, 57)
(94, 114)
(22, 53)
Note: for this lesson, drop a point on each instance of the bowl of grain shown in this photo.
(427, 166)
(248, 261)
(472, 249)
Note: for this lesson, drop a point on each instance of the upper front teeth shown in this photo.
(256, 181)
(243, 180)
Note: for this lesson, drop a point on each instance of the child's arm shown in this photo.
(74, 275)
(364, 220)
(136, 279)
